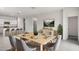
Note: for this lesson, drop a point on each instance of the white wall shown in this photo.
(39, 24)
(57, 15)
(20, 22)
(61, 17)
(28, 24)
(68, 12)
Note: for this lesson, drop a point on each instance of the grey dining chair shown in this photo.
(13, 31)
(7, 32)
(26, 47)
(18, 31)
(19, 45)
(22, 46)
(55, 45)
(12, 42)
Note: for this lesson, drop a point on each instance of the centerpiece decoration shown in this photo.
(35, 26)
(60, 29)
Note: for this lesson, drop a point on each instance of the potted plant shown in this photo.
(60, 30)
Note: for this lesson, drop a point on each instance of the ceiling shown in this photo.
(26, 11)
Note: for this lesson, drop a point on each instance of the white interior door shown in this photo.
(73, 26)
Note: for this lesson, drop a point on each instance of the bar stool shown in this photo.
(6, 32)
(12, 31)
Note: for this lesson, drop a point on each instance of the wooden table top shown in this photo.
(40, 38)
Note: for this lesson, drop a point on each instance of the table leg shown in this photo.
(41, 47)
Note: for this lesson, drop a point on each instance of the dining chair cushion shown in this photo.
(12, 41)
(33, 44)
(51, 45)
(26, 47)
(19, 45)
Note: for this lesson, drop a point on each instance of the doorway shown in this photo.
(73, 28)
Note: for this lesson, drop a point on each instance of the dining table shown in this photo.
(42, 39)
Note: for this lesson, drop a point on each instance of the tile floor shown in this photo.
(66, 45)
(69, 45)
(4, 44)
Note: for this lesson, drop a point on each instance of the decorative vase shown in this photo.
(35, 27)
